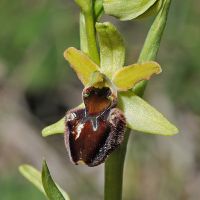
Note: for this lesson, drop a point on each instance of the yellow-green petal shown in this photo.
(142, 117)
(127, 77)
(81, 63)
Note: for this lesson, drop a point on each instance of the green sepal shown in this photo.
(56, 128)
(127, 9)
(153, 10)
(142, 117)
(127, 77)
(112, 50)
(52, 190)
(81, 63)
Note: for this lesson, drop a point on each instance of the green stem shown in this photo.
(115, 163)
(114, 172)
(87, 29)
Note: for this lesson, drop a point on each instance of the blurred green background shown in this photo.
(37, 87)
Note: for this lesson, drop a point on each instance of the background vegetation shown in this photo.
(37, 87)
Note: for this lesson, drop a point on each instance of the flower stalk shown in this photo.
(114, 167)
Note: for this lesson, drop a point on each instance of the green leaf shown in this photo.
(153, 39)
(127, 9)
(127, 77)
(51, 189)
(112, 50)
(33, 175)
(142, 117)
(81, 63)
(56, 128)
(152, 42)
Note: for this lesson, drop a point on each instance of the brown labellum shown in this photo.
(93, 132)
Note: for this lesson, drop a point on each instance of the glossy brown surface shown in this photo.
(96, 100)
(94, 132)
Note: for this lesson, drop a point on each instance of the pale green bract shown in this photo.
(127, 9)
(142, 117)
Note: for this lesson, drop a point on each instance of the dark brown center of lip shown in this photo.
(96, 100)
(85, 142)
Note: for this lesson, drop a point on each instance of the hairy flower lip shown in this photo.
(93, 132)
